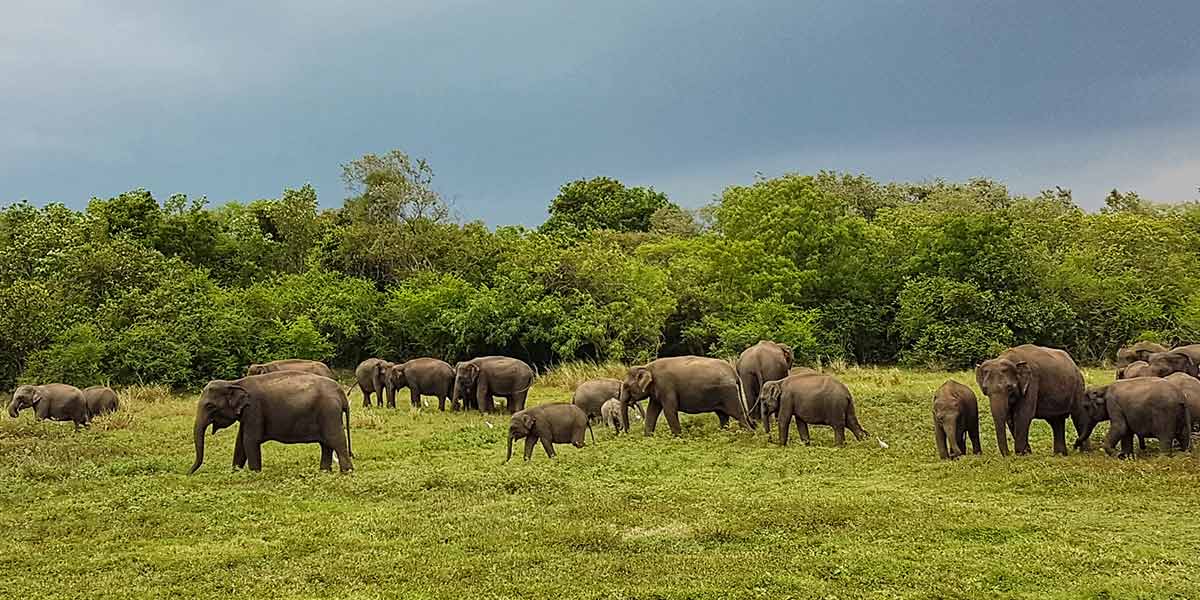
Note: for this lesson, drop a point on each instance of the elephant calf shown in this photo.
(291, 364)
(593, 394)
(610, 414)
(810, 399)
(558, 423)
(100, 400)
(1137, 368)
(955, 415)
(54, 401)
(1146, 406)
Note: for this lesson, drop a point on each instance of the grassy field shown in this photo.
(431, 511)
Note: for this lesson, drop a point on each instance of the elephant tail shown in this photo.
(346, 411)
(742, 398)
(589, 426)
(854, 425)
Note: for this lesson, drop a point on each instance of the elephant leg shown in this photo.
(530, 442)
(548, 446)
(1021, 436)
(441, 403)
(722, 420)
(961, 441)
(939, 436)
(254, 454)
(1166, 437)
(1141, 440)
(802, 429)
(652, 412)
(1111, 439)
(414, 397)
(239, 452)
(516, 402)
(366, 395)
(839, 435)
(379, 399)
(973, 431)
(785, 426)
(1059, 426)
(1127, 446)
(672, 415)
(326, 457)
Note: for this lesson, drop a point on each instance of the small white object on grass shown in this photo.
(489, 424)
(882, 444)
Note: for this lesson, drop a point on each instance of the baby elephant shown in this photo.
(955, 414)
(1145, 406)
(811, 400)
(610, 414)
(558, 423)
(1137, 368)
(54, 401)
(100, 400)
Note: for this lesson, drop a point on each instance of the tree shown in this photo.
(393, 188)
(602, 203)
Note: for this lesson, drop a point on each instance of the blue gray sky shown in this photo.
(509, 100)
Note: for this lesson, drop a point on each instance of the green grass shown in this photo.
(431, 512)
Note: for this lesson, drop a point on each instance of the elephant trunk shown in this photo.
(999, 404)
(625, 418)
(198, 433)
(765, 417)
(510, 442)
(12, 409)
(455, 394)
(950, 428)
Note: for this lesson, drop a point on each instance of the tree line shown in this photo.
(839, 266)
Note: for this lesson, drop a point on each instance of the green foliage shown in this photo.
(604, 203)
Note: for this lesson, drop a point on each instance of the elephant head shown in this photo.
(519, 427)
(1137, 368)
(24, 397)
(638, 384)
(257, 369)
(466, 377)
(1011, 388)
(1162, 364)
(221, 405)
(393, 376)
(1093, 411)
(1139, 351)
(768, 403)
(787, 354)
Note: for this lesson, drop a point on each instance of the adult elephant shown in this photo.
(371, 376)
(478, 381)
(1137, 368)
(291, 364)
(1161, 364)
(1138, 351)
(285, 406)
(1032, 382)
(100, 400)
(687, 384)
(54, 401)
(422, 377)
(758, 364)
(1191, 350)
(1190, 386)
(591, 395)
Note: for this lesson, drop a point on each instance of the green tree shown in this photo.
(602, 203)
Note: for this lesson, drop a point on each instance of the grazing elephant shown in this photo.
(955, 415)
(1139, 351)
(422, 377)
(1162, 364)
(557, 423)
(758, 364)
(54, 401)
(1190, 386)
(291, 364)
(286, 406)
(610, 415)
(1146, 407)
(811, 400)
(1031, 382)
(479, 381)
(592, 394)
(371, 375)
(687, 384)
(1137, 368)
(100, 400)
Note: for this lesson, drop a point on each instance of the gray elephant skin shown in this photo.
(1032, 382)
(610, 415)
(422, 377)
(557, 423)
(291, 364)
(286, 406)
(1138, 351)
(54, 401)
(1161, 364)
(592, 394)
(955, 416)
(371, 377)
(687, 384)
(1190, 386)
(100, 400)
(1146, 407)
(1137, 368)
(478, 381)
(810, 400)
(758, 364)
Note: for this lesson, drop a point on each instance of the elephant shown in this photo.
(610, 414)
(1138, 351)
(291, 364)
(371, 375)
(1191, 350)
(758, 364)
(54, 401)
(1162, 364)
(1137, 368)
(592, 394)
(100, 400)
(1146, 407)
(811, 400)
(479, 380)
(285, 406)
(1032, 382)
(556, 423)
(1190, 386)
(687, 384)
(422, 377)
(955, 416)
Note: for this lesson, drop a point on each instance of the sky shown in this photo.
(509, 100)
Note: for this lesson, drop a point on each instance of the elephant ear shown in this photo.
(528, 421)
(236, 399)
(1026, 377)
(644, 379)
(787, 354)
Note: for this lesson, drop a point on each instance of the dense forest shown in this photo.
(938, 274)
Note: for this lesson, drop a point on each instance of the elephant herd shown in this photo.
(1157, 395)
